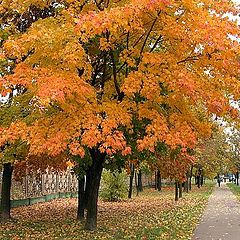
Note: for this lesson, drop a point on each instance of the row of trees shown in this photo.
(112, 83)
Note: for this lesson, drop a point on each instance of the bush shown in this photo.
(113, 185)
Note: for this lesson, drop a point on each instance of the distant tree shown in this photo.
(214, 155)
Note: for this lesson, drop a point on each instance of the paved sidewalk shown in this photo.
(221, 218)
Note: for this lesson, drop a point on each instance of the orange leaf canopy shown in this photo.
(96, 69)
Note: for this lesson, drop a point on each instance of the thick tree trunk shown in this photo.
(180, 189)
(140, 186)
(186, 185)
(93, 181)
(131, 181)
(81, 198)
(176, 191)
(87, 187)
(159, 181)
(6, 192)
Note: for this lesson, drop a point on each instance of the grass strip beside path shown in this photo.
(235, 189)
(153, 215)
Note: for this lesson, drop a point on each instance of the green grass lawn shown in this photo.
(235, 189)
(150, 216)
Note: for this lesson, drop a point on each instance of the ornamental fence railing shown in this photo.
(38, 185)
(52, 185)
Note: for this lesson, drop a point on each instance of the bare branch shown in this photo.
(189, 58)
(149, 32)
(156, 43)
(115, 75)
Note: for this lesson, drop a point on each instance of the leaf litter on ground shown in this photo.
(152, 215)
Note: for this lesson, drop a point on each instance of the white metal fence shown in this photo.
(43, 184)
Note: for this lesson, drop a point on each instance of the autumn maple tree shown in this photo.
(96, 68)
(16, 109)
(13, 148)
(214, 154)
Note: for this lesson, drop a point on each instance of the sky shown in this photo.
(237, 17)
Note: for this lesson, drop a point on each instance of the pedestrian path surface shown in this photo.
(221, 218)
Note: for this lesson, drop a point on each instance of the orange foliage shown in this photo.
(169, 63)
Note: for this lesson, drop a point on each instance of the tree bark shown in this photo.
(180, 189)
(155, 174)
(131, 181)
(190, 178)
(81, 198)
(86, 195)
(6, 192)
(198, 181)
(159, 181)
(201, 180)
(186, 185)
(176, 191)
(93, 181)
(237, 178)
(136, 183)
(140, 186)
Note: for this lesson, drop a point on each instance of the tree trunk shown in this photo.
(198, 181)
(93, 181)
(6, 192)
(87, 187)
(159, 181)
(201, 180)
(186, 185)
(155, 173)
(190, 183)
(190, 178)
(176, 191)
(140, 186)
(150, 184)
(81, 198)
(180, 189)
(136, 184)
(237, 177)
(131, 181)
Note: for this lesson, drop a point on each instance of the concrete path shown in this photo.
(221, 218)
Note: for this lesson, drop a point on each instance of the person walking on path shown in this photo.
(220, 220)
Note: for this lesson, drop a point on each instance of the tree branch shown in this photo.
(98, 4)
(189, 58)
(96, 70)
(115, 75)
(156, 43)
(149, 32)
(104, 73)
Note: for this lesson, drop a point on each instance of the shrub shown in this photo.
(113, 185)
